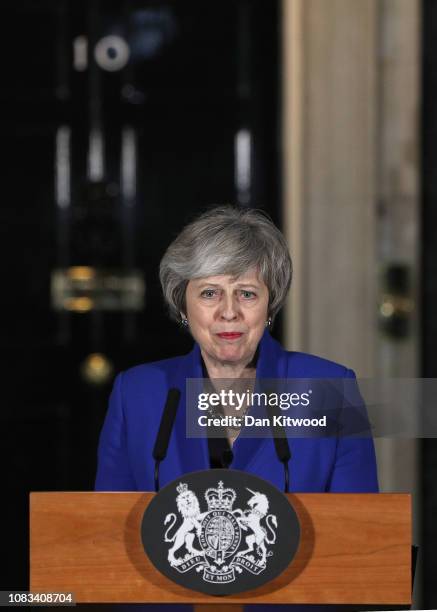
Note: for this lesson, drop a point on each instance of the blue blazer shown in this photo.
(125, 450)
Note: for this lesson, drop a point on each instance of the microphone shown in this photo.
(280, 440)
(165, 429)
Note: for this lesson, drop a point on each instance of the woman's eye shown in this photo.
(208, 293)
(248, 295)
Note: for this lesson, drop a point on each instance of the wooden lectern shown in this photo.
(354, 549)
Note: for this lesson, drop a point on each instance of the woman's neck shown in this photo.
(218, 369)
(243, 375)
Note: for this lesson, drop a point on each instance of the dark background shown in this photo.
(198, 73)
(429, 296)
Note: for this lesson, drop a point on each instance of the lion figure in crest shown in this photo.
(188, 506)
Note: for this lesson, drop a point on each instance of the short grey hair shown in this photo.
(226, 240)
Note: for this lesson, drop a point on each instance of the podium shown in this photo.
(354, 549)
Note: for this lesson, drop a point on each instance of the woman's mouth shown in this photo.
(230, 335)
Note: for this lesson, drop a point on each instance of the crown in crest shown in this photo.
(182, 487)
(220, 498)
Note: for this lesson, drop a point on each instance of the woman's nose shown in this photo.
(228, 308)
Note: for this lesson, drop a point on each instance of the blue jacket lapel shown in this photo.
(192, 452)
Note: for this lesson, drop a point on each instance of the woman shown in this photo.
(225, 277)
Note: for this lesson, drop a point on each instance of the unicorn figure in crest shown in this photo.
(251, 519)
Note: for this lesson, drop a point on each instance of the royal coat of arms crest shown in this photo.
(220, 540)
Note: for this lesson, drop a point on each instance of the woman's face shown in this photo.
(227, 315)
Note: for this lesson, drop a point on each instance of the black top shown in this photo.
(220, 452)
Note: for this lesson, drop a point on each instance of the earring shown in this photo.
(269, 322)
(184, 322)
